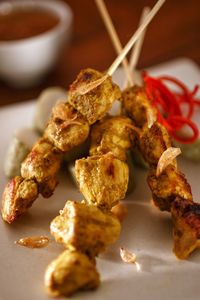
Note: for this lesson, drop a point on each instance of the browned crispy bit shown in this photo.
(18, 196)
(137, 105)
(67, 128)
(112, 134)
(95, 104)
(46, 188)
(153, 142)
(85, 228)
(42, 163)
(102, 179)
(186, 227)
(70, 272)
(166, 187)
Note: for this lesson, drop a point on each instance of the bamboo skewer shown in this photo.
(135, 37)
(114, 37)
(138, 46)
(88, 87)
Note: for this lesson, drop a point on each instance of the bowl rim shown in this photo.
(63, 11)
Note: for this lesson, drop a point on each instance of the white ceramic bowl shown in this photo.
(24, 62)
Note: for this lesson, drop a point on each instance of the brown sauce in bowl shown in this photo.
(25, 23)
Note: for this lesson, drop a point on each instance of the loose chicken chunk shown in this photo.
(95, 104)
(103, 180)
(186, 227)
(70, 272)
(18, 196)
(112, 134)
(166, 187)
(67, 128)
(85, 228)
(137, 105)
(42, 163)
(153, 142)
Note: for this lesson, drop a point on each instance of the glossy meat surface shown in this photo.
(85, 227)
(67, 128)
(70, 272)
(18, 196)
(95, 104)
(112, 134)
(103, 180)
(186, 227)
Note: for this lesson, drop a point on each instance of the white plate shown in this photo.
(146, 231)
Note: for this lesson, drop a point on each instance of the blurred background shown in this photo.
(175, 32)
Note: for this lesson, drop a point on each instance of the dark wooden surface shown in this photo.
(175, 32)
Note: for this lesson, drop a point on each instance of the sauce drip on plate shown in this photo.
(34, 241)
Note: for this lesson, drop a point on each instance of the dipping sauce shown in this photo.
(20, 24)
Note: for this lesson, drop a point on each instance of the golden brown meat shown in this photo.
(103, 179)
(18, 196)
(67, 128)
(70, 272)
(186, 227)
(137, 106)
(95, 104)
(166, 187)
(42, 165)
(85, 228)
(153, 142)
(112, 134)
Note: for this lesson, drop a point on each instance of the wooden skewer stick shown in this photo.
(135, 37)
(114, 37)
(138, 46)
(85, 89)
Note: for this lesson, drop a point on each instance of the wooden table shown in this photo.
(173, 33)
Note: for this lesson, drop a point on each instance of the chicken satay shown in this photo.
(103, 179)
(42, 165)
(18, 196)
(186, 227)
(153, 142)
(112, 134)
(85, 228)
(167, 186)
(67, 128)
(71, 271)
(95, 104)
(137, 106)
(43, 161)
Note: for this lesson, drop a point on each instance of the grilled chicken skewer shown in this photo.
(90, 97)
(68, 127)
(87, 228)
(170, 190)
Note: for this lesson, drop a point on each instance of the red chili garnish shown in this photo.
(168, 104)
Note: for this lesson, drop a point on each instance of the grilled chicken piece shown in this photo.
(18, 196)
(137, 106)
(153, 142)
(166, 187)
(95, 104)
(186, 227)
(67, 128)
(47, 188)
(85, 228)
(112, 134)
(103, 179)
(42, 163)
(70, 272)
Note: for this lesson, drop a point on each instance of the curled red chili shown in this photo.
(169, 105)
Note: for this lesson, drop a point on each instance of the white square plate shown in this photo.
(146, 231)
